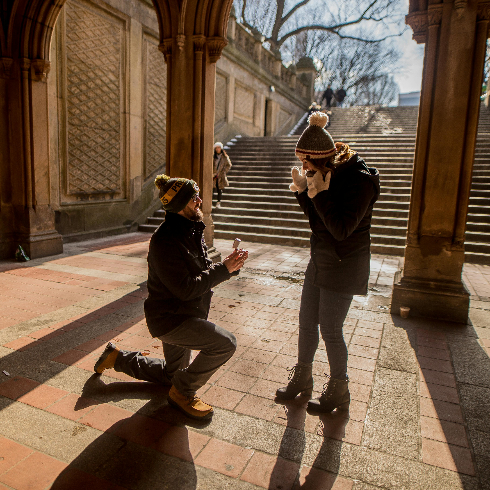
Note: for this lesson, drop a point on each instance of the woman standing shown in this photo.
(221, 166)
(336, 191)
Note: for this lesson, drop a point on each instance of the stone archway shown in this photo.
(192, 36)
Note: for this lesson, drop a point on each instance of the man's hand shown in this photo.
(318, 183)
(299, 180)
(235, 260)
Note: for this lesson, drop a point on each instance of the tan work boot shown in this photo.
(107, 359)
(192, 406)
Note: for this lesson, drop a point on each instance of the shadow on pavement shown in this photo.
(132, 453)
(295, 447)
(151, 449)
(455, 392)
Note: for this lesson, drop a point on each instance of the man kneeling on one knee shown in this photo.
(180, 278)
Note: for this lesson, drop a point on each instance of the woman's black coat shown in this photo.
(340, 221)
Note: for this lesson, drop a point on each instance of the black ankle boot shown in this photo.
(301, 382)
(335, 395)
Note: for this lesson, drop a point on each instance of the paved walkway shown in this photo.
(419, 418)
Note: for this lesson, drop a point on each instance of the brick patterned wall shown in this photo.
(156, 109)
(94, 89)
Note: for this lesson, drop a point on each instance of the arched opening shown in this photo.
(107, 114)
(102, 127)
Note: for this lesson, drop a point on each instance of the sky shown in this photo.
(410, 77)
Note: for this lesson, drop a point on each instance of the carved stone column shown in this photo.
(431, 283)
(26, 165)
(191, 81)
(6, 209)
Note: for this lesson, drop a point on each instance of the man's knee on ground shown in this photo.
(230, 342)
(233, 342)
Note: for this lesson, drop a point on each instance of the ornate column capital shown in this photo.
(459, 6)
(483, 13)
(40, 70)
(215, 47)
(25, 65)
(166, 48)
(199, 43)
(5, 67)
(36, 70)
(419, 22)
(434, 14)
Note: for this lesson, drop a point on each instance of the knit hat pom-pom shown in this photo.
(161, 180)
(318, 119)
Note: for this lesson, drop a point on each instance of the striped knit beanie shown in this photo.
(175, 193)
(315, 142)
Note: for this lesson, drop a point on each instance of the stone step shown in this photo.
(283, 183)
(392, 193)
(295, 213)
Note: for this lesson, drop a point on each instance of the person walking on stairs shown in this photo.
(327, 96)
(180, 279)
(340, 96)
(336, 191)
(221, 166)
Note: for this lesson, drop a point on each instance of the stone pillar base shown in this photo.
(441, 301)
(41, 244)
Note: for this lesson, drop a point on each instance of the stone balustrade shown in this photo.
(251, 44)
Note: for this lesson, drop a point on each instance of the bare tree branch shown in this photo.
(293, 10)
(333, 29)
(369, 41)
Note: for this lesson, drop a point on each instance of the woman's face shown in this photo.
(307, 165)
(218, 149)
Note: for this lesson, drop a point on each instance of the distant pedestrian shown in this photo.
(340, 96)
(313, 108)
(221, 166)
(327, 96)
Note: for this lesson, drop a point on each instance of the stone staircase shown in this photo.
(259, 207)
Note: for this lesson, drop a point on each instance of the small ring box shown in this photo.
(236, 243)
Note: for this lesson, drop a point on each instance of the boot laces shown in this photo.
(291, 370)
(329, 387)
(326, 393)
(295, 373)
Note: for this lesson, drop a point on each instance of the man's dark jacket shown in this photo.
(180, 274)
(340, 221)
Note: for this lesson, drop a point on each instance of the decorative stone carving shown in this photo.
(25, 65)
(166, 48)
(199, 43)
(156, 110)
(418, 21)
(459, 6)
(434, 14)
(5, 67)
(180, 41)
(215, 48)
(94, 104)
(483, 12)
(40, 70)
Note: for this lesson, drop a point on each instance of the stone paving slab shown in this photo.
(420, 389)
